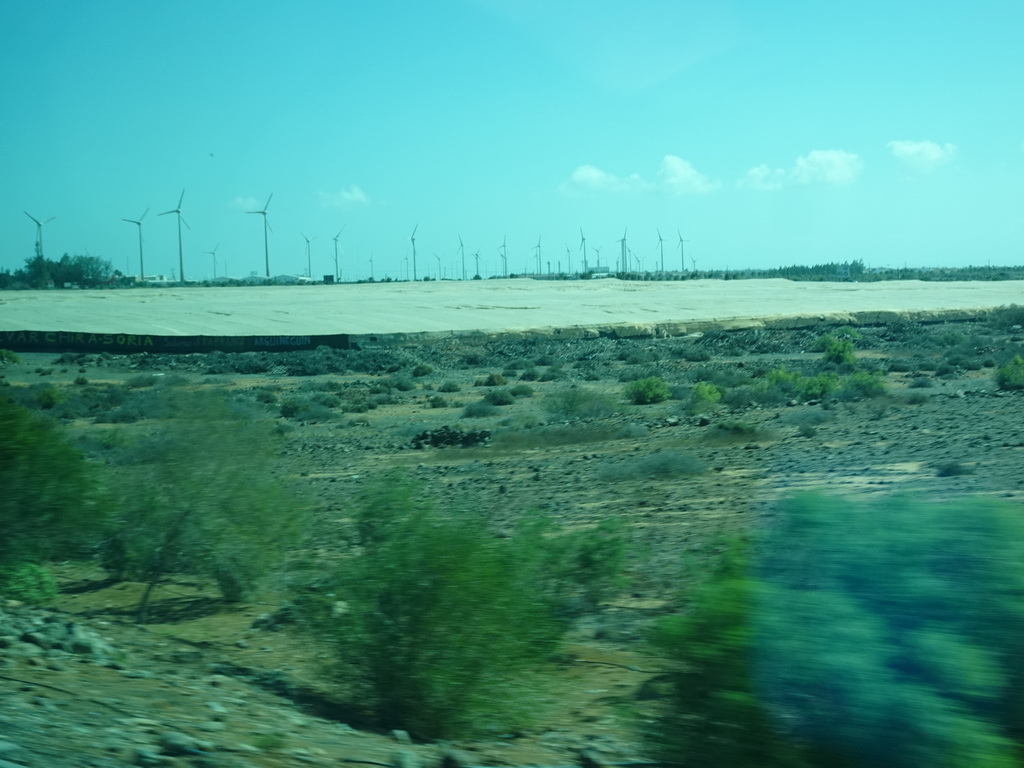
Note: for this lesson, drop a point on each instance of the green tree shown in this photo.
(200, 496)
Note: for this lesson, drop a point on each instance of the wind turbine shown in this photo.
(568, 256)
(537, 249)
(583, 247)
(598, 249)
(266, 241)
(39, 232)
(462, 250)
(138, 223)
(661, 247)
(477, 257)
(438, 266)
(337, 272)
(214, 254)
(623, 264)
(371, 265)
(177, 212)
(504, 256)
(682, 250)
(412, 239)
(309, 260)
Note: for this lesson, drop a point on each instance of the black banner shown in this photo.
(129, 343)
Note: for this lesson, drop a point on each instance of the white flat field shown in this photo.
(490, 306)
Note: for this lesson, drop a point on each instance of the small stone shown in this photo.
(174, 743)
(404, 758)
(402, 737)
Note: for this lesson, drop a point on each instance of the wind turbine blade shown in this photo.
(183, 221)
(143, 215)
(166, 212)
(130, 221)
(268, 223)
(180, 199)
(39, 223)
(267, 204)
(413, 235)
(49, 220)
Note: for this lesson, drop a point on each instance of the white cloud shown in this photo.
(763, 178)
(247, 204)
(344, 198)
(676, 176)
(827, 166)
(592, 178)
(681, 178)
(923, 156)
(820, 166)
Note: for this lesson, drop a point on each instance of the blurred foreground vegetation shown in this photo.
(855, 634)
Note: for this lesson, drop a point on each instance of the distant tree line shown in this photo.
(41, 272)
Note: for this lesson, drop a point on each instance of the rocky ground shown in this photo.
(209, 685)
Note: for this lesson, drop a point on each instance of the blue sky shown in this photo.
(767, 134)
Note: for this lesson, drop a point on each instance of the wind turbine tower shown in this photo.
(337, 272)
(39, 232)
(682, 249)
(623, 256)
(181, 257)
(266, 241)
(537, 249)
(138, 223)
(412, 239)
(661, 247)
(309, 259)
(214, 254)
(462, 250)
(477, 257)
(504, 256)
(583, 247)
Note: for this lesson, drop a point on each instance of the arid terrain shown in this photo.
(208, 684)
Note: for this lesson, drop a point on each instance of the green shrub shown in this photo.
(579, 402)
(662, 465)
(1011, 375)
(443, 626)
(7, 357)
(894, 616)
(522, 390)
(837, 351)
(422, 370)
(499, 397)
(49, 505)
(704, 396)
(31, 584)
(46, 397)
(479, 410)
(864, 385)
(449, 386)
(491, 380)
(713, 715)
(437, 402)
(199, 496)
(734, 431)
(647, 391)
(141, 381)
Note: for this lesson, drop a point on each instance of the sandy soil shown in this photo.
(486, 306)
